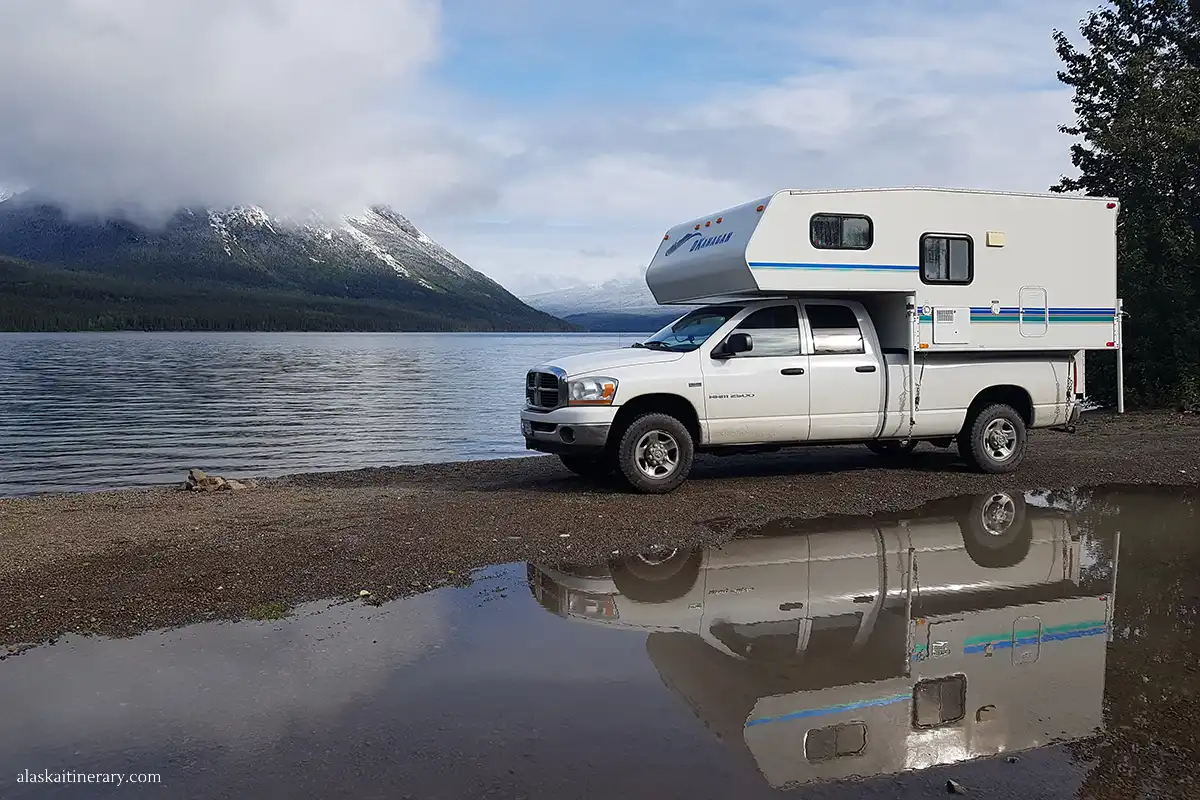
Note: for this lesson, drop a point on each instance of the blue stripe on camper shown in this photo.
(837, 709)
(1026, 641)
(838, 267)
(1065, 314)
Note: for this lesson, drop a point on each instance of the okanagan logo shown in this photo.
(720, 238)
(681, 243)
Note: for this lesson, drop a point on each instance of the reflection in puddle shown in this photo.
(914, 646)
(859, 647)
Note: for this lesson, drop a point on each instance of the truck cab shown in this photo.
(760, 375)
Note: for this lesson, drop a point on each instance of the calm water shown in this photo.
(94, 411)
(734, 678)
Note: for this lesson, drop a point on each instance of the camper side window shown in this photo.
(947, 259)
(774, 331)
(841, 232)
(834, 329)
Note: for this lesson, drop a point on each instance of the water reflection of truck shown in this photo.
(862, 646)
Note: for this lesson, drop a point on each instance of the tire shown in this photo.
(892, 448)
(655, 577)
(655, 470)
(978, 443)
(587, 466)
(996, 529)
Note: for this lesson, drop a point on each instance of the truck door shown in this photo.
(756, 597)
(847, 589)
(759, 396)
(846, 385)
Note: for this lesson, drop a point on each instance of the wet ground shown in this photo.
(1036, 645)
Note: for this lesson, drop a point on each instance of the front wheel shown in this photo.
(655, 453)
(587, 466)
(994, 440)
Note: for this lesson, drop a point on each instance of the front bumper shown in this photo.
(571, 431)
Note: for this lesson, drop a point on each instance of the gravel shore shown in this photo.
(121, 562)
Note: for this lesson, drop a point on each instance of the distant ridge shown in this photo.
(241, 269)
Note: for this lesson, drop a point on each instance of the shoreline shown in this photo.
(125, 561)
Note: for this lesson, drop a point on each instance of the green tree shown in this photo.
(1136, 82)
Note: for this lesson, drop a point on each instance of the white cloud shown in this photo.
(896, 96)
(287, 104)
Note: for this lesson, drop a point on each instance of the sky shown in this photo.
(546, 143)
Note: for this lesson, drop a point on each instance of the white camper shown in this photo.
(885, 316)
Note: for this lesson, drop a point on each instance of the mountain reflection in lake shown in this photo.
(85, 411)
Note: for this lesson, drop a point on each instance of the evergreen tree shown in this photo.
(1137, 100)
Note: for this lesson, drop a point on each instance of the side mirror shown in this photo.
(734, 344)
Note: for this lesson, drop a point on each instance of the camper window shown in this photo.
(841, 232)
(834, 329)
(948, 259)
(939, 701)
(847, 739)
(774, 331)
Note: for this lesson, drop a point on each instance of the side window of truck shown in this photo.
(841, 232)
(835, 329)
(947, 259)
(775, 331)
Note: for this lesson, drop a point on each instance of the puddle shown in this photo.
(1026, 646)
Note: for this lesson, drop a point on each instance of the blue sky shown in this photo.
(546, 142)
(628, 117)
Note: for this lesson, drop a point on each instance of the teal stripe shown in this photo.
(838, 709)
(1025, 634)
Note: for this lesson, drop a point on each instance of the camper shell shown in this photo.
(988, 270)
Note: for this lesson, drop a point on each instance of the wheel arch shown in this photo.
(659, 403)
(1009, 394)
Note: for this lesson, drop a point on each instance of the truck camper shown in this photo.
(885, 317)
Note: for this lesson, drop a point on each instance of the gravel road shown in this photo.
(122, 562)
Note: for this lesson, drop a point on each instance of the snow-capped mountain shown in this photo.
(614, 296)
(375, 257)
(614, 305)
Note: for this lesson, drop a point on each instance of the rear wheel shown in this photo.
(587, 466)
(655, 453)
(993, 441)
(996, 529)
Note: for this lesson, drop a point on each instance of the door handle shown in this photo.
(792, 371)
(865, 368)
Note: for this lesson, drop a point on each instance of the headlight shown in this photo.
(592, 391)
(592, 606)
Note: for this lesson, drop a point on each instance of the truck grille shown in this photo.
(543, 390)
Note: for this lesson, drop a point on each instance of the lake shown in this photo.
(89, 411)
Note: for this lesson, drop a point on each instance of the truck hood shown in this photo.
(607, 360)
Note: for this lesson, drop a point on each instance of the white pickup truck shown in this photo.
(764, 374)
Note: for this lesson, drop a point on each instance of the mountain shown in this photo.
(241, 268)
(612, 306)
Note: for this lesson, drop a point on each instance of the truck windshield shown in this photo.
(691, 330)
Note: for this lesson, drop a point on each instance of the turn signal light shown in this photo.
(760, 208)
